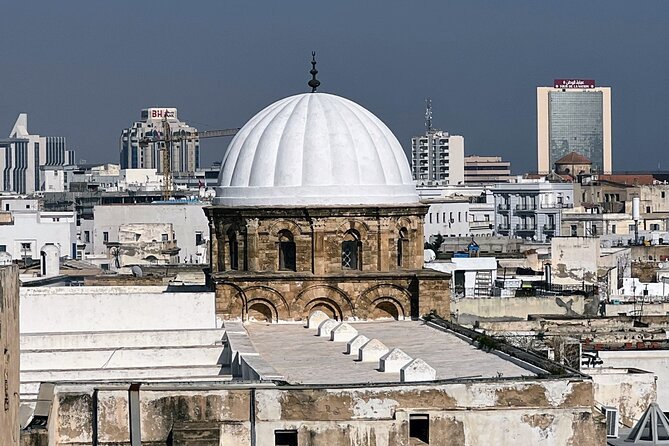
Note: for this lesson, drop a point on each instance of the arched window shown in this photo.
(351, 250)
(286, 251)
(402, 240)
(233, 249)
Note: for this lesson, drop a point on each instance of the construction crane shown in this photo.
(167, 138)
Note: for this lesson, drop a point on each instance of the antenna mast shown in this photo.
(428, 115)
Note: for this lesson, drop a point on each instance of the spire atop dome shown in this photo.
(313, 83)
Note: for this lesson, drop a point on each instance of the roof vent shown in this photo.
(652, 428)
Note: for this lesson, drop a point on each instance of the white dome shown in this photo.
(314, 149)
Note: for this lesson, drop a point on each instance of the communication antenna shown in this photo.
(428, 114)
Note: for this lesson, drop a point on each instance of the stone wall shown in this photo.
(9, 361)
(387, 282)
(354, 295)
(318, 234)
(551, 411)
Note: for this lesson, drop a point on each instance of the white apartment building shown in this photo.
(23, 154)
(438, 157)
(25, 229)
(458, 211)
(138, 152)
(531, 209)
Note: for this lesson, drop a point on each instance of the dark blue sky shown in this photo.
(84, 69)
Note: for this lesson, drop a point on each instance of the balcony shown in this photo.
(526, 228)
(557, 205)
(503, 207)
(503, 228)
(526, 207)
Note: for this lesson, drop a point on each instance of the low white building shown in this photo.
(472, 276)
(189, 223)
(25, 229)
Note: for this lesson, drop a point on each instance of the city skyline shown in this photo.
(218, 64)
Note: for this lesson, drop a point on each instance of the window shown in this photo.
(402, 239)
(285, 438)
(574, 230)
(27, 206)
(87, 236)
(419, 428)
(613, 229)
(6, 206)
(662, 193)
(593, 231)
(647, 209)
(104, 267)
(654, 227)
(198, 238)
(350, 250)
(459, 216)
(105, 237)
(286, 251)
(164, 237)
(3, 248)
(26, 246)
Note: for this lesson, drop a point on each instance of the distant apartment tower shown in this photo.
(486, 170)
(22, 156)
(437, 156)
(574, 116)
(138, 152)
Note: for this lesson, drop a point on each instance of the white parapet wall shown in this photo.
(114, 308)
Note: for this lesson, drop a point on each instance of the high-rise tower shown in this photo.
(574, 116)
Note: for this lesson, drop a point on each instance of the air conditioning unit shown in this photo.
(612, 419)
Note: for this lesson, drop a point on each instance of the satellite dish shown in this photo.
(137, 271)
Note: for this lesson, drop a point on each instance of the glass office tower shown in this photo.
(574, 120)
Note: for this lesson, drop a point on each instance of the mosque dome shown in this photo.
(315, 149)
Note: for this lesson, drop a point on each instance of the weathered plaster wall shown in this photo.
(557, 411)
(629, 390)
(70, 309)
(655, 361)
(574, 259)
(520, 307)
(9, 359)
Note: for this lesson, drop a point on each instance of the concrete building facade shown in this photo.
(486, 170)
(531, 209)
(138, 151)
(26, 229)
(438, 157)
(574, 116)
(23, 154)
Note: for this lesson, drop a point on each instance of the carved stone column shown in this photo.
(384, 250)
(318, 254)
(252, 240)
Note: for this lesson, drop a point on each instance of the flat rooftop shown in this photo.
(302, 357)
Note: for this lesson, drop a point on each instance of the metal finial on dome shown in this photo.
(313, 83)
